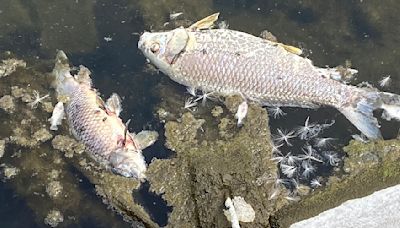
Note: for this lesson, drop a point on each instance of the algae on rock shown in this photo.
(206, 170)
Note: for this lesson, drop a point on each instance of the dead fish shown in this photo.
(229, 62)
(96, 123)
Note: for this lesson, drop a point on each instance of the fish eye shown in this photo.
(155, 47)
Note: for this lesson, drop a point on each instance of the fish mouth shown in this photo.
(128, 163)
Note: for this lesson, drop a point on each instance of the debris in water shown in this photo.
(54, 189)
(7, 104)
(385, 81)
(38, 99)
(2, 147)
(173, 16)
(9, 171)
(9, 66)
(57, 116)
(54, 218)
(238, 211)
(241, 112)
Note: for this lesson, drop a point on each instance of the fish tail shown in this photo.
(360, 111)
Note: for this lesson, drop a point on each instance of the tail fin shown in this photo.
(361, 115)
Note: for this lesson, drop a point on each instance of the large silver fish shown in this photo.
(230, 62)
(96, 123)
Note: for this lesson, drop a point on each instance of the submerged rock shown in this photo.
(9, 66)
(9, 171)
(54, 218)
(7, 104)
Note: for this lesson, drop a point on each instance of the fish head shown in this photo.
(162, 48)
(128, 162)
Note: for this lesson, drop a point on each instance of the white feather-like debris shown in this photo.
(284, 136)
(307, 131)
(332, 158)
(308, 169)
(323, 142)
(288, 170)
(238, 211)
(192, 91)
(241, 112)
(190, 103)
(38, 99)
(173, 16)
(57, 116)
(309, 154)
(276, 112)
(315, 183)
(385, 81)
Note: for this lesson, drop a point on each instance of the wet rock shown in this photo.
(42, 135)
(9, 66)
(54, 189)
(9, 171)
(67, 145)
(47, 107)
(217, 111)
(17, 92)
(7, 104)
(204, 171)
(53, 218)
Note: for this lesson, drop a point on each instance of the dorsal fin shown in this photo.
(204, 23)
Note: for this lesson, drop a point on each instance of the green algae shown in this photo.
(211, 165)
(363, 177)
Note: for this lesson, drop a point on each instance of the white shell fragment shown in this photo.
(57, 116)
(241, 211)
(241, 112)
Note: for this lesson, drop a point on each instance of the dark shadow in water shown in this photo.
(90, 218)
(12, 207)
(153, 204)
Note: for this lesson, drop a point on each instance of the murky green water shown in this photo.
(103, 35)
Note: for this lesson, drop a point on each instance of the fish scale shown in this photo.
(229, 62)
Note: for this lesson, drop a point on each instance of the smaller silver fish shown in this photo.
(96, 123)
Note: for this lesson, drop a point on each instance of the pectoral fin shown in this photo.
(113, 104)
